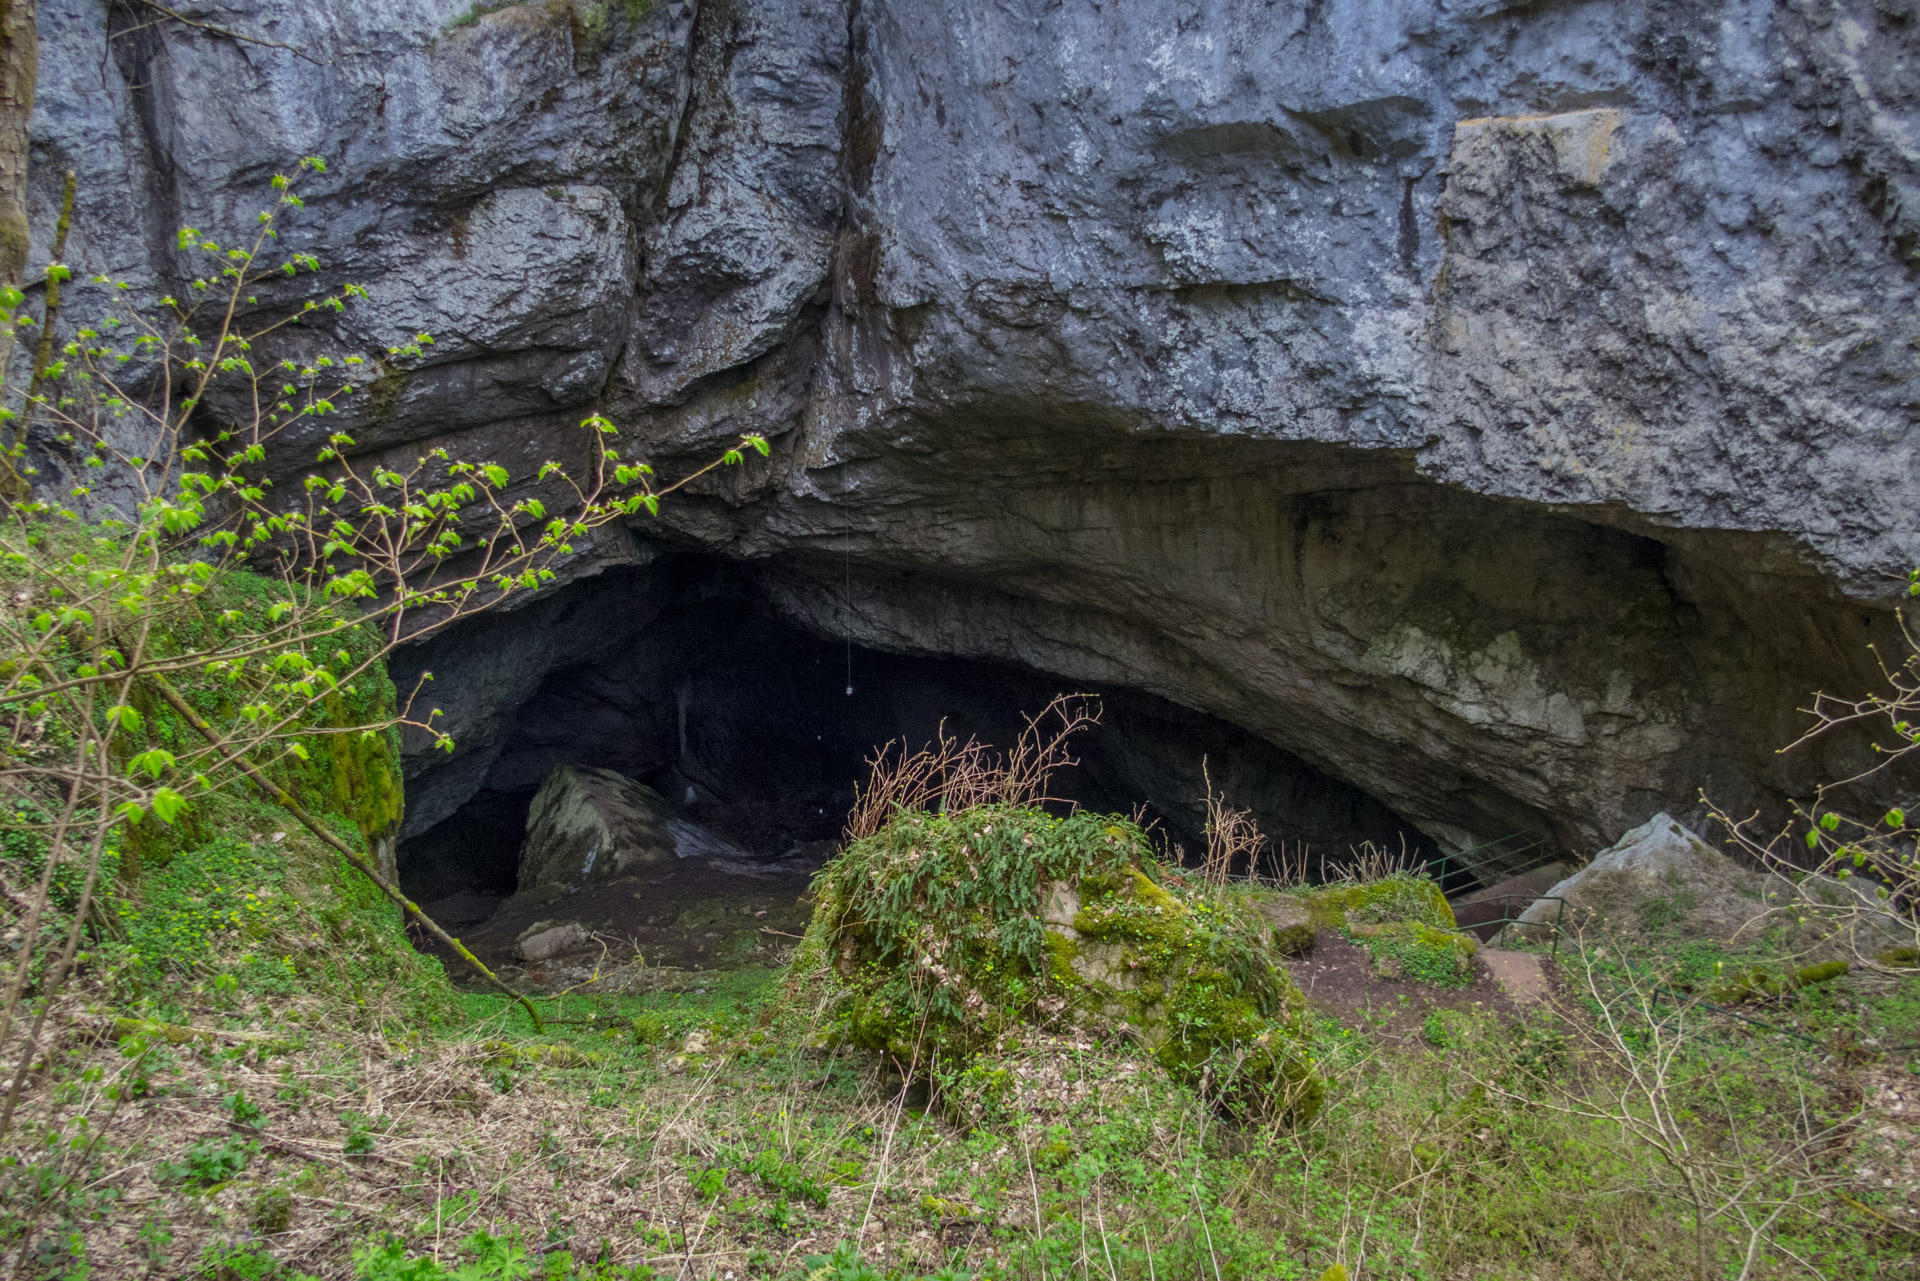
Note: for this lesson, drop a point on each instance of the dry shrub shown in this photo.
(949, 776)
(1370, 862)
(1232, 837)
(1288, 863)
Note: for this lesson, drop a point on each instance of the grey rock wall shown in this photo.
(1508, 408)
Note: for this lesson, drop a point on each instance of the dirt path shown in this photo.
(1338, 979)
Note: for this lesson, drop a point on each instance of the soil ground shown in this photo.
(705, 916)
(699, 915)
(1339, 979)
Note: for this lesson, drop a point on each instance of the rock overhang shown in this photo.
(1591, 319)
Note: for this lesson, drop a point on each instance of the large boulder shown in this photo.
(1658, 879)
(942, 934)
(593, 825)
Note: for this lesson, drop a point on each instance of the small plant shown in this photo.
(780, 1216)
(359, 1141)
(243, 1110)
(240, 1263)
(155, 1236)
(845, 1264)
(209, 1162)
(709, 1183)
(784, 1177)
(477, 11)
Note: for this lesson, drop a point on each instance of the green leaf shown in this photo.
(168, 804)
(496, 475)
(123, 717)
(152, 763)
(1896, 818)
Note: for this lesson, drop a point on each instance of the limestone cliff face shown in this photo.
(1507, 408)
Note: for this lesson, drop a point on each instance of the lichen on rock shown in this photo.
(941, 934)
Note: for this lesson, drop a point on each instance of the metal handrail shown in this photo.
(1476, 868)
(1530, 899)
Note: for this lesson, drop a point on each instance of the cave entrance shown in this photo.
(744, 723)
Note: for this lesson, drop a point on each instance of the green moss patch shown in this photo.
(941, 934)
(1404, 896)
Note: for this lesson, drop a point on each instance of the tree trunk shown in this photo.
(19, 67)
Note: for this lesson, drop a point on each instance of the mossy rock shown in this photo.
(941, 933)
(1404, 896)
(1290, 922)
(1757, 984)
(1403, 921)
(1199, 979)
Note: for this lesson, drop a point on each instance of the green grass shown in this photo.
(1046, 1153)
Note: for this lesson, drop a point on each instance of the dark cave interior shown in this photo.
(745, 721)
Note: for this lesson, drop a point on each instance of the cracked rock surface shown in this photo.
(1508, 409)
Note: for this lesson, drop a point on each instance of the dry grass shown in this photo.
(1233, 838)
(948, 775)
(1370, 862)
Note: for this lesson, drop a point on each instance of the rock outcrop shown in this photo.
(1507, 409)
(940, 935)
(1658, 878)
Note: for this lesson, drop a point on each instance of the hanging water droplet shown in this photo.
(849, 691)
